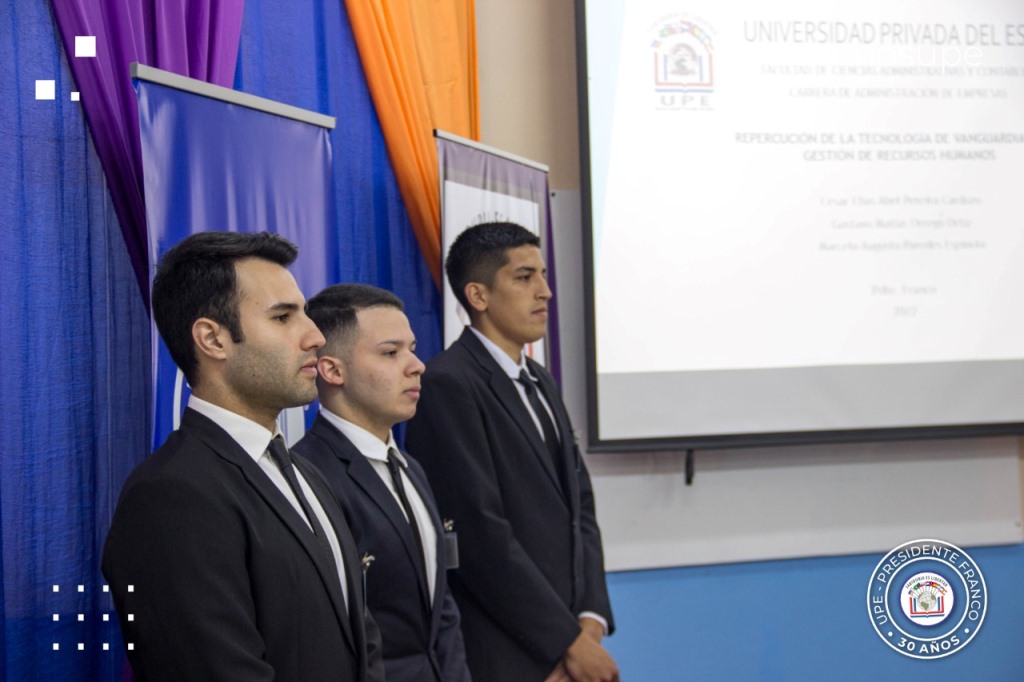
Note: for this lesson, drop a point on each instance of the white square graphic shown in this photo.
(47, 90)
(81, 588)
(81, 617)
(74, 97)
(106, 617)
(85, 46)
(56, 647)
(81, 646)
(131, 646)
(106, 646)
(56, 617)
(131, 617)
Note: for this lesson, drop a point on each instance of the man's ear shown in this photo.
(211, 338)
(331, 370)
(477, 296)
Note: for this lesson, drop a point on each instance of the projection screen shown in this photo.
(803, 220)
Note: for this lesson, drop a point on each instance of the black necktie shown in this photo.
(546, 426)
(280, 453)
(396, 478)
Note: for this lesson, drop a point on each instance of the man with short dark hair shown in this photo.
(497, 444)
(369, 380)
(227, 557)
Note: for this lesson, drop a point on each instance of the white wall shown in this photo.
(744, 504)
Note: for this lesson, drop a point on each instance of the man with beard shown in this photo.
(228, 558)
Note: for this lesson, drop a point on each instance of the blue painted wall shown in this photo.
(797, 620)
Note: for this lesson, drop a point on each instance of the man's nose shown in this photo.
(313, 338)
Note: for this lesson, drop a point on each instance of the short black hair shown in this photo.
(477, 254)
(196, 278)
(334, 310)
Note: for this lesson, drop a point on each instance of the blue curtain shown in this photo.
(304, 54)
(74, 347)
(74, 334)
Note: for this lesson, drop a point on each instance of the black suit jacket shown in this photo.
(530, 550)
(420, 643)
(226, 580)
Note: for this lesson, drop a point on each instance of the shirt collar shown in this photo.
(507, 364)
(253, 438)
(368, 444)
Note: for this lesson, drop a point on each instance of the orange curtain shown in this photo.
(420, 62)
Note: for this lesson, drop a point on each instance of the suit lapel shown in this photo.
(423, 488)
(508, 395)
(570, 454)
(352, 619)
(363, 475)
(227, 448)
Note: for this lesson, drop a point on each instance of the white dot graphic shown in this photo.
(85, 46)
(47, 90)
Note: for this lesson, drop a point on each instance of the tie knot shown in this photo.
(526, 380)
(393, 463)
(279, 451)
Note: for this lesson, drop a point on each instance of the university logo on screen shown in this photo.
(682, 52)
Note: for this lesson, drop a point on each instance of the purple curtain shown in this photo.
(194, 38)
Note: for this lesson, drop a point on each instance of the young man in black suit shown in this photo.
(496, 441)
(369, 380)
(228, 559)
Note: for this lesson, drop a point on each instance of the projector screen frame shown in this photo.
(596, 444)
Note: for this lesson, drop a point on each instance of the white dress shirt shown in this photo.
(512, 369)
(376, 452)
(255, 440)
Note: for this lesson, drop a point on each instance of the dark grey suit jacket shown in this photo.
(228, 582)
(421, 642)
(530, 549)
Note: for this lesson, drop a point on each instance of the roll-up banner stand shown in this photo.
(481, 184)
(218, 159)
